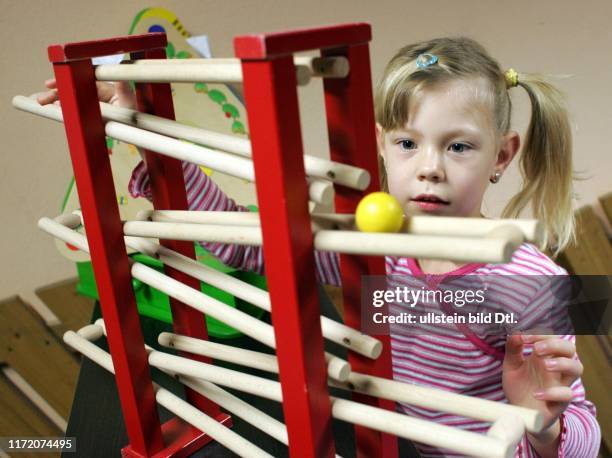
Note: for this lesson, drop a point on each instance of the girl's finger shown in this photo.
(51, 83)
(105, 91)
(514, 351)
(125, 95)
(532, 338)
(554, 394)
(47, 97)
(568, 367)
(555, 346)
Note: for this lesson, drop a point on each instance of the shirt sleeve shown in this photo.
(204, 195)
(580, 433)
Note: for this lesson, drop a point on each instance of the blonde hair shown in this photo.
(546, 159)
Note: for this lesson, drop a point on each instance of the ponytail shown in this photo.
(546, 165)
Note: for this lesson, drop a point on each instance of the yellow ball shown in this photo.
(379, 212)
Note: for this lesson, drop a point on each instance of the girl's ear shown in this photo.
(380, 140)
(510, 145)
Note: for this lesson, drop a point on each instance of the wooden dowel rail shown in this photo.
(167, 71)
(468, 249)
(478, 445)
(332, 330)
(225, 399)
(343, 174)
(337, 368)
(173, 403)
(531, 229)
(322, 67)
(510, 418)
(320, 191)
(316, 167)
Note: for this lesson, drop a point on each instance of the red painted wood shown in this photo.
(168, 189)
(271, 98)
(272, 106)
(96, 48)
(352, 140)
(184, 439)
(92, 172)
(86, 139)
(272, 44)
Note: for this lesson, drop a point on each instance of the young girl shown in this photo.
(443, 129)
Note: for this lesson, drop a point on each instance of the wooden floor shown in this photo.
(35, 359)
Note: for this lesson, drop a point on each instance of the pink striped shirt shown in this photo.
(451, 361)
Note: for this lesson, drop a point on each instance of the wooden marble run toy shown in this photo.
(286, 180)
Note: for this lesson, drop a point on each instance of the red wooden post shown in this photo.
(271, 99)
(168, 189)
(86, 140)
(351, 132)
(92, 173)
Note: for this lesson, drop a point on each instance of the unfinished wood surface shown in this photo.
(606, 203)
(596, 379)
(335, 295)
(73, 310)
(31, 349)
(592, 254)
(20, 418)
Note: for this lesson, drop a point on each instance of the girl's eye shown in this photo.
(406, 144)
(459, 147)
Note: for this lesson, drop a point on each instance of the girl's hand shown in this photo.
(541, 380)
(118, 94)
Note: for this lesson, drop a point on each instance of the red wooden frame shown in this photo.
(272, 106)
(352, 140)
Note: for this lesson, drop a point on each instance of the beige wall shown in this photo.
(554, 37)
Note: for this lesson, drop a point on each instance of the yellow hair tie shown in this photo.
(511, 78)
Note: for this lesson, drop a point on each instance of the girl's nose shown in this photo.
(430, 168)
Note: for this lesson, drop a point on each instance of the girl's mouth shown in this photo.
(429, 202)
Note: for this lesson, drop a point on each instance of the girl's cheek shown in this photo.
(471, 196)
(399, 188)
(392, 180)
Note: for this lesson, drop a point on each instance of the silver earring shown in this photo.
(495, 178)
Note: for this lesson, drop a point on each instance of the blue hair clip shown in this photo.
(425, 60)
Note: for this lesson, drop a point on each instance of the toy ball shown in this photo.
(379, 212)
